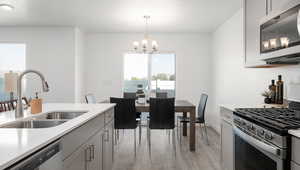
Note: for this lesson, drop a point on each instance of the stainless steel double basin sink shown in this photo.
(46, 120)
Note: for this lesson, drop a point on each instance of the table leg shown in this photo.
(192, 130)
(184, 127)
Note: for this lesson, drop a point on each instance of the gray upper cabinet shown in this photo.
(254, 13)
(252, 30)
(278, 5)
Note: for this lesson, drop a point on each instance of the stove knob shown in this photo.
(261, 132)
(268, 136)
(250, 127)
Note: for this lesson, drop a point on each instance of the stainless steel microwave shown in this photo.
(280, 35)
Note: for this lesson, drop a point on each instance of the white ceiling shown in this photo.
(122, 15)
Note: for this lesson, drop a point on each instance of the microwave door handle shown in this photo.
(251, 140)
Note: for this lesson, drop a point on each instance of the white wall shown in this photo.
(50, 50)
(79, 66)
(232, 82)
(104, 62)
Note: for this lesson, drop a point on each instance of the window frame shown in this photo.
(149, 65)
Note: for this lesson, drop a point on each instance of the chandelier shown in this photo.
(145, 48)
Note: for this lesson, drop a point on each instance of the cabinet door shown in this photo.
(78, 160)
(95, 145)
(254, 11)
(227, 146)
(108, 147)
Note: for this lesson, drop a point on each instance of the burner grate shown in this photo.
(281, 119)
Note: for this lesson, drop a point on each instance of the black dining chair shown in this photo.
(162, 116)
(200, 119)
(125, 115)
(132, 95)
(90, 98)
(161, 95)
(129, 95)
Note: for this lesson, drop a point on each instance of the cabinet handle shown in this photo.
(88, 155)
(93, 152)
(271, 5)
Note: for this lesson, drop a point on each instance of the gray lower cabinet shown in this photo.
(227, 146)
(90, 147)
(108, 146)
(88, 156)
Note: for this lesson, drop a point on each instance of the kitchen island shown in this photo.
(97, 120)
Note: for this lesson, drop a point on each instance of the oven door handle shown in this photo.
(298, 22)
(257, 143)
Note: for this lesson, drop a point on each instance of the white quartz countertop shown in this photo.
(295, 133)
(16, 144)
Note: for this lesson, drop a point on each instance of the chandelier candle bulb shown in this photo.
(154, 45)
(136, 45)
(144, 43)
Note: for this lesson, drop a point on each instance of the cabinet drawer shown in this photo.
(109, 115)
(79, 136)
(295, 166)
(226, 114)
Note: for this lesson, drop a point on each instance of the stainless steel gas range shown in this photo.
(261, 139)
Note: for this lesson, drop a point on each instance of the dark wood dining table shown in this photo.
(181, 106)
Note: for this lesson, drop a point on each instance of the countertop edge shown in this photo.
(47, 142)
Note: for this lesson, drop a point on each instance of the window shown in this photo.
(12, 57)
(156, 72)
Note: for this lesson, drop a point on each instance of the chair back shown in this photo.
(125, 113)
(201, 108)
(163, 95)
(162, 113)
(129, 95)
(90, 98)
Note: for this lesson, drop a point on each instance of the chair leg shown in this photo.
(168, 131)
(140, 132)
(180, 134)
(149, 138)
(134, 143)
(177, 126)
(206, 134)
(115, 136)
(174, 142)
(201, 128)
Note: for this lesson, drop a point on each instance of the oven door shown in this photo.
(253, 154)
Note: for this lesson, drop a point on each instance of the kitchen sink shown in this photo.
(30, 124)
(63, 115)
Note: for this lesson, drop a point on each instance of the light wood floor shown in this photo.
(206, 157)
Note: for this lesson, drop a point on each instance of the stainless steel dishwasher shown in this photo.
(47, 158)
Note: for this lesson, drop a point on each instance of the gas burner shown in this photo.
(280, 120)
